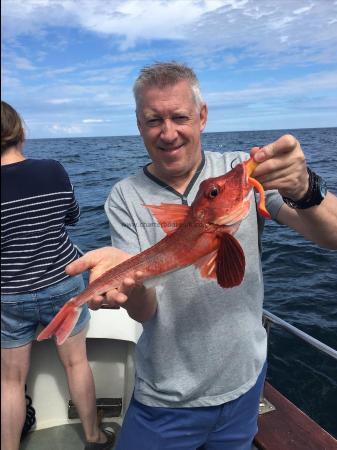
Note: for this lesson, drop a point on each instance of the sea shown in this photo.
(300, 278)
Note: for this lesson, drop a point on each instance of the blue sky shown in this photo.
(68, 66)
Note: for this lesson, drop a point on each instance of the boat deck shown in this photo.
(64, 437)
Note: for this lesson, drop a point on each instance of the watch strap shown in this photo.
(315, 194)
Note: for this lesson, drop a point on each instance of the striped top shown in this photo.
(37, 202)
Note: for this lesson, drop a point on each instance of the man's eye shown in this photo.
(153, 122)
(180, 119)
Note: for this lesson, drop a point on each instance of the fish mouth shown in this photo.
(239, 214)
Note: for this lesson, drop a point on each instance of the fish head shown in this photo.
(223, 200)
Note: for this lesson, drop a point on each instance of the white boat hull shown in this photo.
(111, 339)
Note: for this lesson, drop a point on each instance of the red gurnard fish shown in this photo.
(200, 234)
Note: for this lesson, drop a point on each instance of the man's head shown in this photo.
(166, 74)
(170, 116)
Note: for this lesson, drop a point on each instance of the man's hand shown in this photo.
(99, 261)
(282, 167)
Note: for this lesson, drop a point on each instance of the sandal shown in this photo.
(102, 446)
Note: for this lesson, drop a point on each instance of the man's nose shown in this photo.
(168, 131)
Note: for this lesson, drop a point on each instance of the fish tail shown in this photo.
(62, 324)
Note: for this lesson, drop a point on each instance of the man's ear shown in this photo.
(203, 116)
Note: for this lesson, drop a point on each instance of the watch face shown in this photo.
(323, 188)
(316, 193)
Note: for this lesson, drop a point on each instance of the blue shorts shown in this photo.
(230, 426)
(21, 314)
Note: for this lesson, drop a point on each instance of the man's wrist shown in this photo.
(315, 194)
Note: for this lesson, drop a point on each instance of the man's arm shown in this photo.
(283, 167)
(318, 224)
(139, 302)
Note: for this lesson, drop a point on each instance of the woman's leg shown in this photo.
(73, 356)
(14, 370)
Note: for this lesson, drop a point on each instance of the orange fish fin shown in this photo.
(169, 216)
(230, 262)
(62, 324)
(207, 265)
(262, 202)
(250, 165)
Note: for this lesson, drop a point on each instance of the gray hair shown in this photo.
(167, 74)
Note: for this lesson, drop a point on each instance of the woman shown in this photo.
(37, 202)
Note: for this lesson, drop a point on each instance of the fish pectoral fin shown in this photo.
(169, 216)
(230, 262)
(262, 202)
(207, 265)
(226, 264)
(62, 324)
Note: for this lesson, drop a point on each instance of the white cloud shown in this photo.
(56, 72)
(256, 34)
(71, 130)
(229, 109)
(52, 78)
(205, 27)
(318, 84)
(304, 9)
(93, 120)
(23, 63)
(59, 101)
(130, 19)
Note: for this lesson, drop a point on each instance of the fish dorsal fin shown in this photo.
(169, 215)
(207, 265)
(262, 202)
(230, 262)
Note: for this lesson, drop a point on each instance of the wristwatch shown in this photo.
(314, 196)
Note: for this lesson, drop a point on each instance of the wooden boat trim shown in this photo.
(287, 427)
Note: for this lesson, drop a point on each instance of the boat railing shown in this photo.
(80, 251)
(270, 319)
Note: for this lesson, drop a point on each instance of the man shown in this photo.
(200, 362)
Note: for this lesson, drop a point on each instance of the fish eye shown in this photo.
(213, 192)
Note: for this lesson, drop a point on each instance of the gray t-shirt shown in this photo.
(205, 345)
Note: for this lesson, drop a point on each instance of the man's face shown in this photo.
(170, 124)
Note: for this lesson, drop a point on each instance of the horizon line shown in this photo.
(203, 133)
